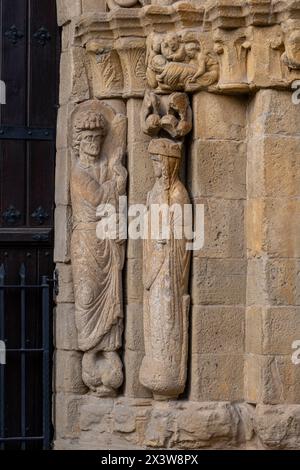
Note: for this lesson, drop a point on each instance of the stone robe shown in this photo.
(97, 264)
(166, 304)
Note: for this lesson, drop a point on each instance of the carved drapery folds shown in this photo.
(166, 261)
(98, 178)
(166, 273)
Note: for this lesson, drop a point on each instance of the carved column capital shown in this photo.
(224, 46)
(106, 69)
(132, 54)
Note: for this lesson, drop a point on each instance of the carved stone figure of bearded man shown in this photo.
(166, 264)
(97, 264)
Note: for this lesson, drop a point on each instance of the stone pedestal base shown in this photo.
(91, 423)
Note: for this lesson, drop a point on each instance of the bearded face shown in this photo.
(91, 143)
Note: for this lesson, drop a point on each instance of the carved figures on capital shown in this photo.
(254, 57)
(177, 61)
(98, 178)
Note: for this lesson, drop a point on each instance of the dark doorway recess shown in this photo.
(30, 48)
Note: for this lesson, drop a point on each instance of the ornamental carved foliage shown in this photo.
(98, 179)
(106, 70)
(178, 61)
(117, 68)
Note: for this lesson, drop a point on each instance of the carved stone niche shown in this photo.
(98, 178)
(180, 61)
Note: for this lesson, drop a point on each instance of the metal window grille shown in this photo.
(45, 308)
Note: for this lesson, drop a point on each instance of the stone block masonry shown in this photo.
(208, 83)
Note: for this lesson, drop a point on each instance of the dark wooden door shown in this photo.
(29, 67)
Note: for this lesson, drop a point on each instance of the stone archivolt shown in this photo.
(220, 46)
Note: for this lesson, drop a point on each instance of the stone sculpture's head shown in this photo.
(192, 49)
(165, 155)
(90, 130)
(170, 45)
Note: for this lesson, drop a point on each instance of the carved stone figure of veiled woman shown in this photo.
(98, 177)
(166, 272)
